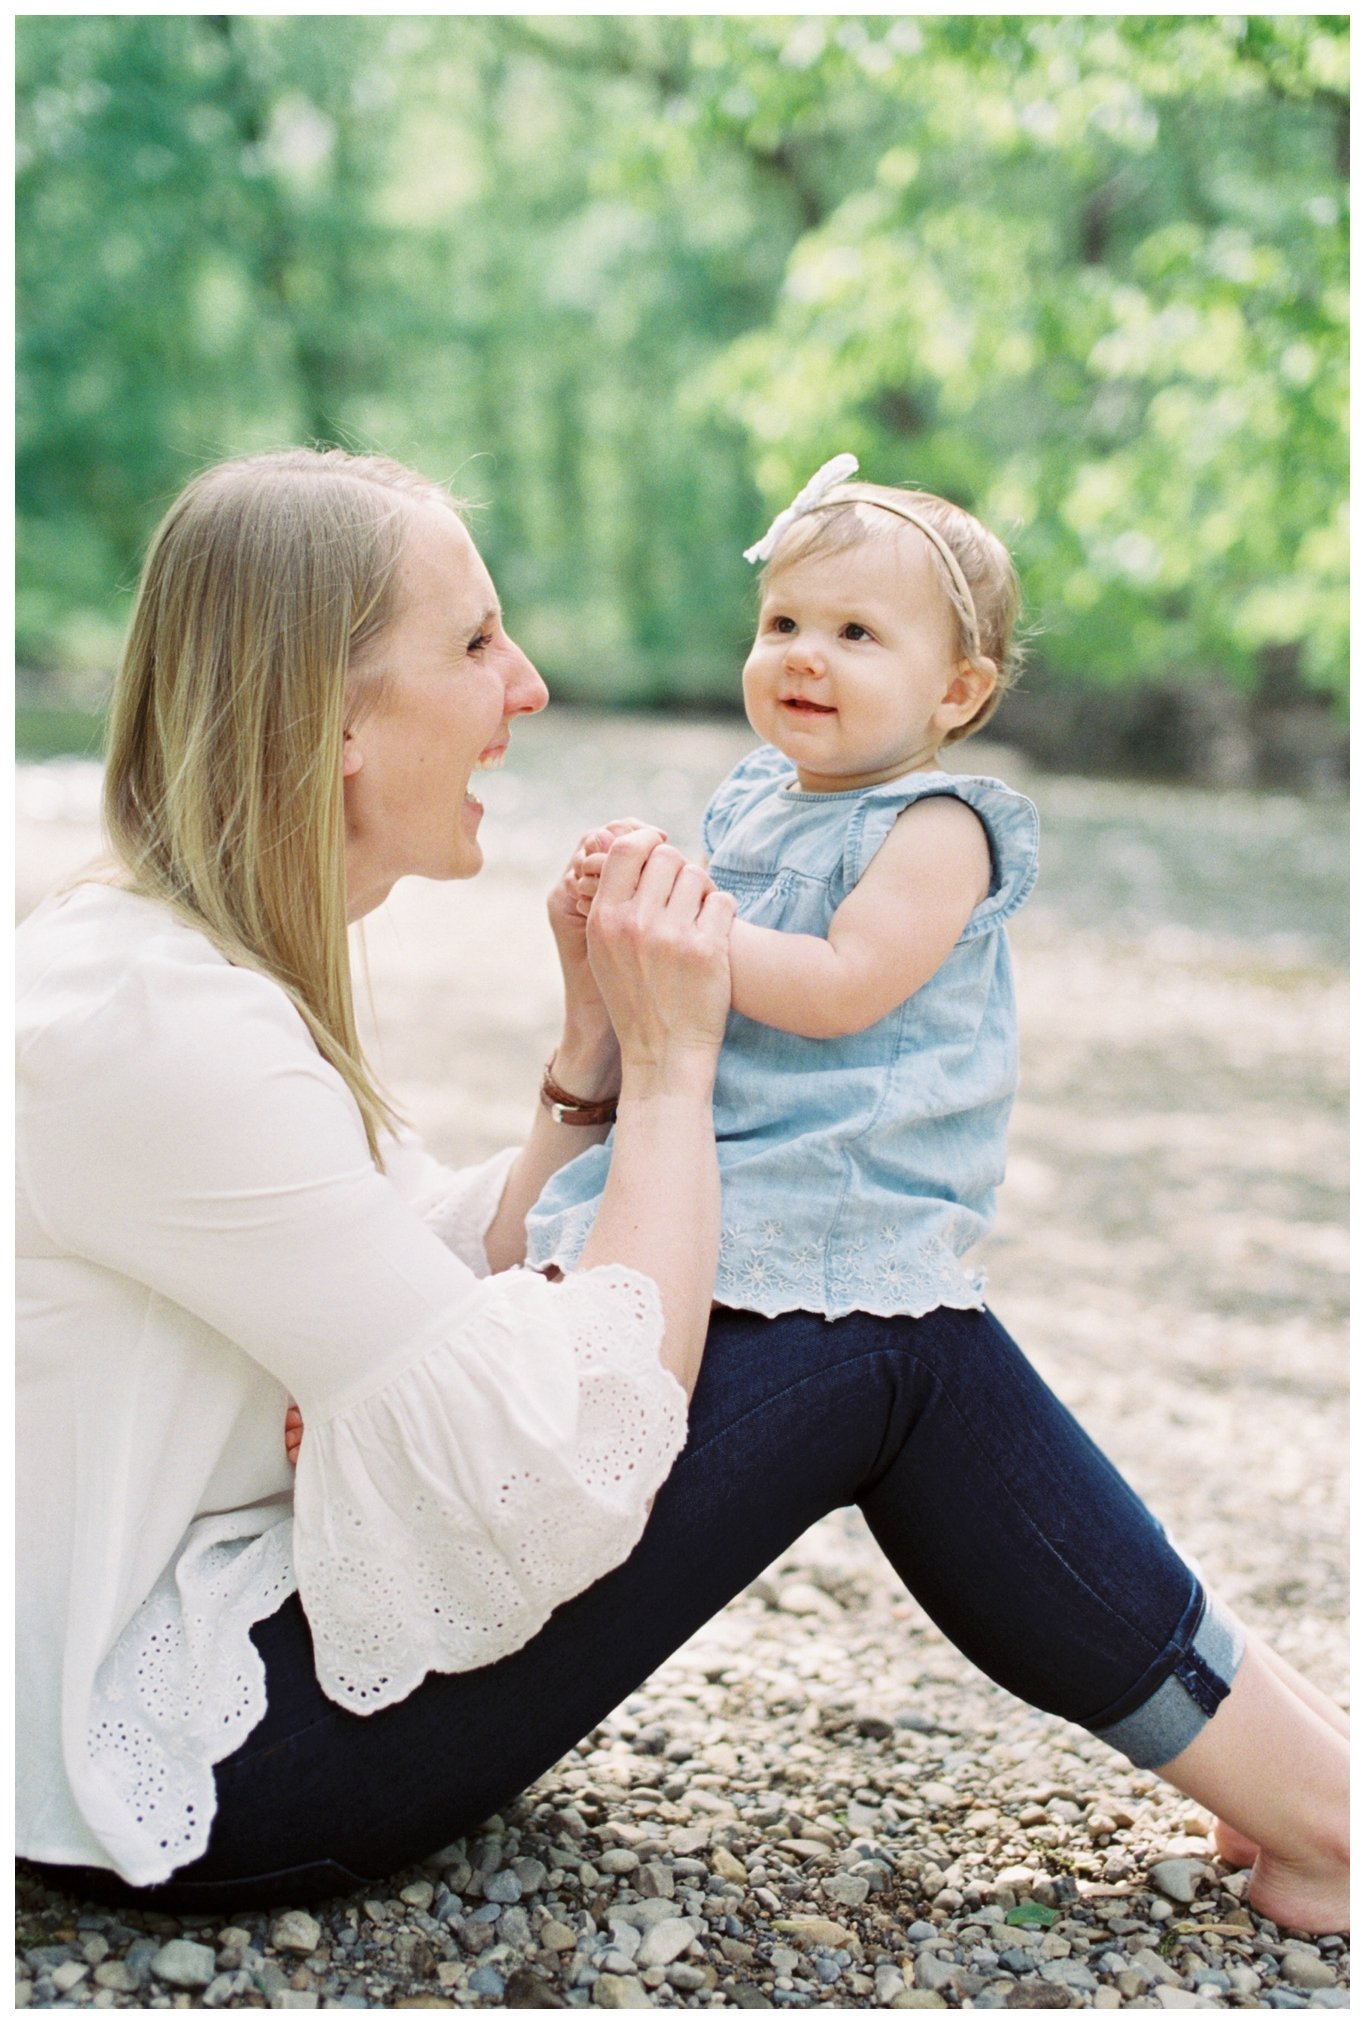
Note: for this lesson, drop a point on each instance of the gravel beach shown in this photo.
(818, 1802)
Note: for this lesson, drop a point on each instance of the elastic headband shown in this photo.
(827, 488)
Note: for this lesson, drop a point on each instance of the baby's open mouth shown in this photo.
(804, 707)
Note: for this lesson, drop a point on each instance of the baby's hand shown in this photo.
(585, 867)
(293, 1434)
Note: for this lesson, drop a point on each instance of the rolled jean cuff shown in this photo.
(1203, 1665)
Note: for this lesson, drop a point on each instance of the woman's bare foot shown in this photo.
(1273, 1771)
(1238, 1851)
(1315, 1898)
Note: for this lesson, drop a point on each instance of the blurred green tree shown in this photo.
(632, 277)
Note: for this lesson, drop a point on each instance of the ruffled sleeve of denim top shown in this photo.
(856, 1172)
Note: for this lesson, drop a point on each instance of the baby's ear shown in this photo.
(969, 691)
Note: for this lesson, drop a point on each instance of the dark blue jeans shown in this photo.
(998, 1512)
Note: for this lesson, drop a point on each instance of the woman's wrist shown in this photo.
(587, 1061)
(687, 1075)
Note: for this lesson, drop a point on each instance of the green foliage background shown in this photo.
(629, 279)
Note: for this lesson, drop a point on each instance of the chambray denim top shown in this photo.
(856, 1171)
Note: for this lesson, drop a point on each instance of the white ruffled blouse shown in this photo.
(202, 1234)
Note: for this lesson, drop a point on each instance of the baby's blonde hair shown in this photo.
(837, 524)
(223, 785)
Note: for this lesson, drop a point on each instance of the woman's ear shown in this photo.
(352, 758)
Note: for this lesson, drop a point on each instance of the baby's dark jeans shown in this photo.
(998, 1512)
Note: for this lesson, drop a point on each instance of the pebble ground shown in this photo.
(817, 1802)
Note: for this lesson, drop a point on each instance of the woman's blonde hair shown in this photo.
(837, 524)
(267, 579)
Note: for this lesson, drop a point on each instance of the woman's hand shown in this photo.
(657, 939)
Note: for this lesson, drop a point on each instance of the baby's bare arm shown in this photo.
(896, 927)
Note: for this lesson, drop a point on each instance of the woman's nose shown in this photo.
(522, 685)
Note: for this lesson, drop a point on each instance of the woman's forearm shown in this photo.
(660, 1211)
(588, 1063)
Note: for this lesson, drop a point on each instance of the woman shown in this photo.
(233, 1695)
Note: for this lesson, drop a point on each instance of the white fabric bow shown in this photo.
(836, 472)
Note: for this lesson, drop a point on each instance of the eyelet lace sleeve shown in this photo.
(440, 1519)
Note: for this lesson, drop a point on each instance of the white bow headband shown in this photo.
(820, 491)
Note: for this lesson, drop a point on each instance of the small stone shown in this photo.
(682, 1975)
(96, 1949)
(531, 1874)
(613, 1862)
(888, 1982)
(809, 1932)
(936, 1794)
(1161, 1909)
(418, 1894)
(1182, 1999)
(654, 1879)
(1069, 1975)
(68, 1976)
(487, 1981)
(1107, 1998)
(1301, 1967)
(297, 1999)
(803, 1598)
(874, 1726)
(296, 1933)
(845, 1889)
(665, 1941)
(225, 1989)
(727, 1866)
(1149, 1964)
(559, 1938)
(529, 1991)
(23, 1994)
(646, 1912)
(184, 1964)
(118, 1976)
(933, 1972)
(917, 1999)
(1179, 1878)
(621, 1992)
(1330, 1999)
(1035, 1994)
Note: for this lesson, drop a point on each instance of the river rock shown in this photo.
(184, 1964)
(664, 1942)
(1178, 1878)
(621, 1992)
(295, 1933)
(1302, 1967)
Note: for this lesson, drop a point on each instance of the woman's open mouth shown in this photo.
(487, 762)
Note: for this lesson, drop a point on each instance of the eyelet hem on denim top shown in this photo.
(856, 1172)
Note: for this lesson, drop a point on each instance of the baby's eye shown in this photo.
(783, 625)
(854, 631)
